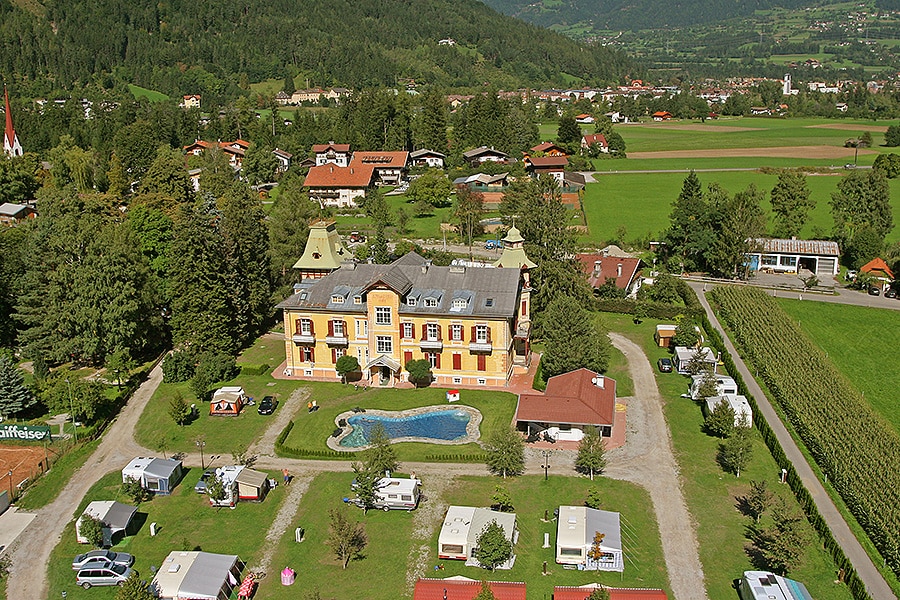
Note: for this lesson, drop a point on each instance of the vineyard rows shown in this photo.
(851, 443)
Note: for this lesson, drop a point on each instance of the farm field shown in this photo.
(853, 337)
(642, 202)
(712, 495)
(388, 569)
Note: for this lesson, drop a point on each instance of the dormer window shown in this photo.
(431, 302)
(459, 304)
(357, 299)
(489, 302)
(337, 299)
(411, 300)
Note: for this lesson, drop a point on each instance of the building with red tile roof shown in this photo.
(336, 154)
(623, 270)
(571, 402)
(463, 588)
(563, 592)
(389, 167)
(878, 268)
(595, 139)
(332, 185)
(554, 166)
(549, 148)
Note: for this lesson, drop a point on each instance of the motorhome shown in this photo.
(228, 476)
(724, 385)
(394, 493)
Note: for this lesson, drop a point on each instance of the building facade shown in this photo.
(471, 323)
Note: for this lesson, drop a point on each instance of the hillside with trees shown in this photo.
(214, 49)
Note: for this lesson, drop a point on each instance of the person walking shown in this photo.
(287, 475)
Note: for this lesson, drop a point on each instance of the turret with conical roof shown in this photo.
(514, 252)
(514, 257)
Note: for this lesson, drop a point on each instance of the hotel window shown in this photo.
(432, 332)
(482, 381)
(357, 299)
(382, 315)
(305, 327)
(457, 380)
(384, 344)
(336, 353)
(338, 328)
(411, 301)
(337, 299)
(307, 354)
(459, 304)
(481, 334)
(407, 331)
(434, 359)
(362, 328)
(456, 333)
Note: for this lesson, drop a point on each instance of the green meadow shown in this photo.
(152, 95)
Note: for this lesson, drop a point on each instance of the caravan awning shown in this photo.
(210, 577)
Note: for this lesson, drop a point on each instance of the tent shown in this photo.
(252, 485)
(115, 517)
(196, 576)
(227, 401)
(158, 475)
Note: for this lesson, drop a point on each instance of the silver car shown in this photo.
(112, 574)
(101, 558)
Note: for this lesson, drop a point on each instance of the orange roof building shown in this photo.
(332, 185)
(561, 592)
(463, 588)
(878, 268)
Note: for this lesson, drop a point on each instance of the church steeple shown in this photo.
(11, 144)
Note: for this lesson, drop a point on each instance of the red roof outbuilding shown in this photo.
(575, 398)
(465, 589)
(561, 592)
(878, 268)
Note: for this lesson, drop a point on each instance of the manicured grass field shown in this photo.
(394, 542)
(712, 495)
(854, 338)
(311, 430)
(643, 202)
(186, 522)
(151, 95)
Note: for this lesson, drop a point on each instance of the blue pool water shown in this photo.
(438, 425)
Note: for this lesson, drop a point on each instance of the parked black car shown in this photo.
(891, 293)
(874, 291)
(266, 406)
(665, 365)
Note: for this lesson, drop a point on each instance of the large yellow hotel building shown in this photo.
(471, 322)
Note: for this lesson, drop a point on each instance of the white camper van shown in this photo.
(394, 493)
(724, 385)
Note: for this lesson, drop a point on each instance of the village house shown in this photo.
(483, 154)
(789, 255)
(624, 271)
(548, 149)
(427, 158)
(389, 168)
(336, 154)
(472, 324)
(190, 101)
(332, 185)
(284, 160)
(594, 140)
(554, 166)
(11, 213)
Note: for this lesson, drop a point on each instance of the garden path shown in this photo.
(282, 522)
(647, 460)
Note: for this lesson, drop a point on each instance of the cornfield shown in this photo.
(851, 443)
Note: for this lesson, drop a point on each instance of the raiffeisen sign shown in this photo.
(28, 433)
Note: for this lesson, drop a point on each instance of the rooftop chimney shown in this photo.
(619, 270)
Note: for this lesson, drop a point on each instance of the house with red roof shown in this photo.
(336, 154)
(572, 402)
(233, 150)
(549, 149)
(555, 166)
(625, 271)
(878, 269)
(661, 115)
(564, 592)
(190, 101)
(332, 185)
(584, 119)
(389, 168)
(463, 588)
(596, 140)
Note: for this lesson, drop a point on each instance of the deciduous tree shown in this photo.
(782, 545)
(591, 456)
(862, 198)
(759, 499)
(736, 451)
(501, 499)
(791, 203)
(467, 213)
(505, 452)
(419, 372)
(346, 539)
(493, 547)
(345, 365)
(380, 456)
(179, 409)
(135, 588)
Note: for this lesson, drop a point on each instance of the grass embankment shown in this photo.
(854, 338)
(43, 491)
(383, 570)
(186, 522)
(712, 495)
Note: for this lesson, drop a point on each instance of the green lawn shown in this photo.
(45, 489)
(712, 494)
(854, 339)
(151, 95)
(383, 570)
(186, 521)
(311, 430)
(642, 203)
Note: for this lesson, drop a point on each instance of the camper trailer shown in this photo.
(462, 526)
(724, 385)
(228, 476)
(393, 493)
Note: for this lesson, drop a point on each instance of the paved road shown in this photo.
(875, 584)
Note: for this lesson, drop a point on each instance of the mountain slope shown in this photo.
(181, 46)
(635, 14)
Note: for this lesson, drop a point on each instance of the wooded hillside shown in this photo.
(207, 47)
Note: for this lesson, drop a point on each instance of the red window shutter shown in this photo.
(489, 335)
(312, 355)
(346, 331)
(407, 356)
(437, 360)
(439, 333)
(334, 355)
(473, 334)
(330, 328)
(424, 332)
(312, 327)
(457, 362)
(524, 307)
(482, 362)
(297, 326)
(412, 330)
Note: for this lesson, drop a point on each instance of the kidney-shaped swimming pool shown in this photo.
(436, 424)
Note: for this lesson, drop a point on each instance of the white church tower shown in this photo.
(786, 90)
(11, 145)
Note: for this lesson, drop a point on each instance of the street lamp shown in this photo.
(546, 466)
(10, 486)
(71, 411)
(200, 444)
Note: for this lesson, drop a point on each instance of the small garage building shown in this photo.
(787, 256)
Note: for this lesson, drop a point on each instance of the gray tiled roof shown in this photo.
(490, 292)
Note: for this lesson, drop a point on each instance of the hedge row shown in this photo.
(456, 458)
(255, 370)
(291, 452)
